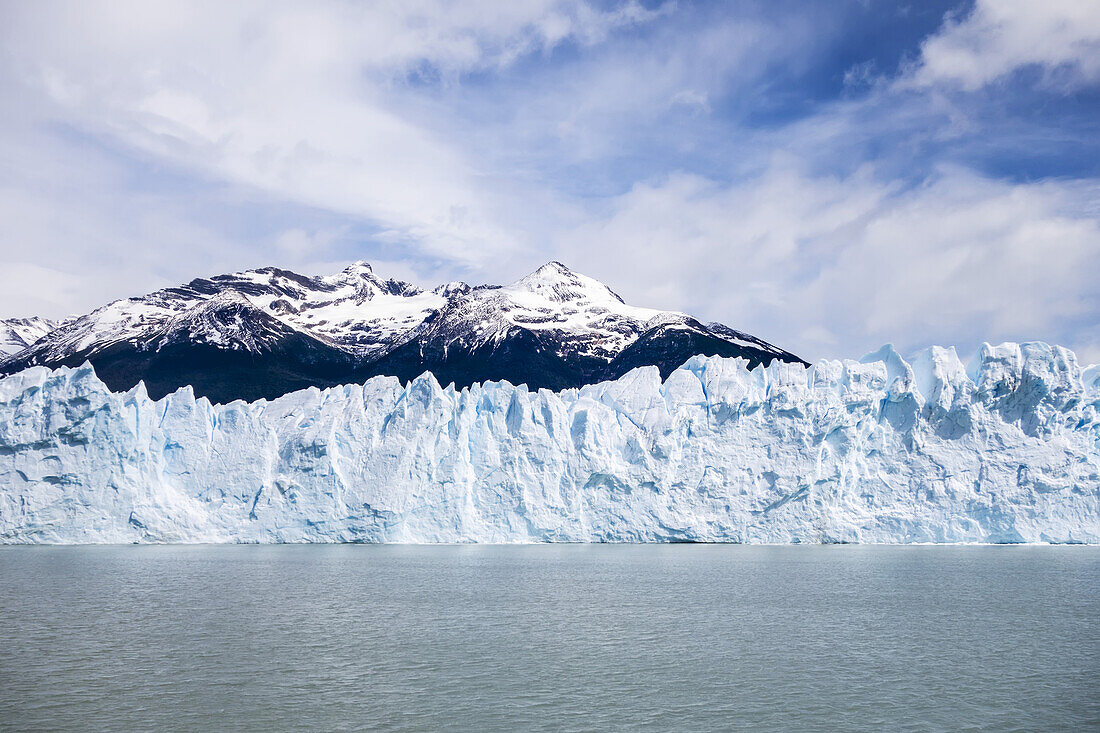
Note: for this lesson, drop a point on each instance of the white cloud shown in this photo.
(30, 290)
(286, 131)
(298, 100)
(813, 263)
(1001, 36)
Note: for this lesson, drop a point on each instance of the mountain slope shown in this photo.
(263, 333)
(227, 349)
(17, 334)
(671, 342)
(354, 309)
(557, 329)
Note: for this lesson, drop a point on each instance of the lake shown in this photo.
(549, 638)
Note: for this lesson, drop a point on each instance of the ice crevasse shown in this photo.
(881, 450)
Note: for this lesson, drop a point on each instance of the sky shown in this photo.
(828, 176)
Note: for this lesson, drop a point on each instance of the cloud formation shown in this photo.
(939, 262)
(830, 180)
(1061, 37)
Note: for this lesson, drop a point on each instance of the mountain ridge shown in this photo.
(17, 334)
(264, 332)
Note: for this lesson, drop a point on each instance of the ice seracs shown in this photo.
(1004, 449)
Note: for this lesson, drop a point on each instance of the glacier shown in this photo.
(881, 450)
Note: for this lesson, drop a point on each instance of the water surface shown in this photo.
(549, 638)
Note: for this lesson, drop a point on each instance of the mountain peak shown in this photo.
(554, 328)
(556, 282)
(222, 298)
(228, 320)
(224, 306)
(554, 271)
(553, 266)
(360, 275)
(356, 272)
(17, 334)
(451, 289)
(359, 266)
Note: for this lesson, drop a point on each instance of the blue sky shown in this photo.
(830, 176)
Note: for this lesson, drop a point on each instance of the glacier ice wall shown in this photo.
(875, 451)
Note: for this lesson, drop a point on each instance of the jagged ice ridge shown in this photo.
(880, 450)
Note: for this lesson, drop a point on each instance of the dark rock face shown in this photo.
(228, 350)
(263, 333)
(223, 375)
(520, 357)
(668, 347)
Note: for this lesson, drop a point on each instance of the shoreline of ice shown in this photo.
(881, 451)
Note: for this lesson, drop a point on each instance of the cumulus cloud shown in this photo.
(1061, 37)
(847, 264)
(653, 146)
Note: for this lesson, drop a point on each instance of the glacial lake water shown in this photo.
(549, 638)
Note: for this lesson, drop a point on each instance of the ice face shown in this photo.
(1006, 449)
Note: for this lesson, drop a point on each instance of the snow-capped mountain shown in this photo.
(263, 333)
(17, 334)
(354, 309)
